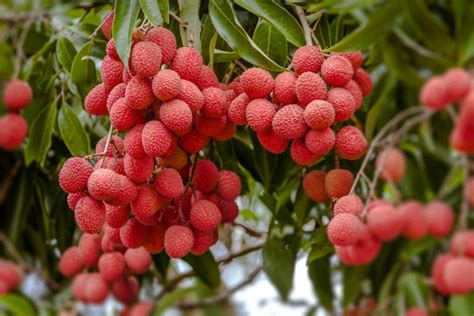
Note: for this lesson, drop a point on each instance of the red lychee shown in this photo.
(309, 87)
(178, 241)
(145, 59)
(350, 143)
(289, 122)
(307, 58)
(17, 95)
(320, 142)
(257, 83)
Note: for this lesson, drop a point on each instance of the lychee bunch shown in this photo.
(10, 277)
(300, 109)
(17, 96)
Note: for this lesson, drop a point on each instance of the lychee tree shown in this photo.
(148, 145)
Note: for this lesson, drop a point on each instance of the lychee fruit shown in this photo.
(356, 93)
(215, 102)
(176, 116)
(344, 229)
(319, 114)
(122, 117)
(337, 71)
(385, 222)
(227, 133)
(414, 222)
(193, 142)
(111, 266)
(205, 176)
(166, 85)
(350, 143)
(17, 95)
(228, 185)
(257, 83)
(74, 175)
(440, 218)
(156, 239)
(178, 241)
(89, 247)
(10, 274)
(107, 25)
(116, 216)
(457, 84)
(307, 59)
(96, 289)
(71, 262)
(356, 58)
(237, 109)
(205, 215)
(187, 63)
(202, 241)
(116, 146)
(207, 78)
(165, 39)
(313, 186)
(103, 184)
(289, 122)
(156, 139)
(148, 201)
(272, 142)
(259, 114)
(145, 59)
(458, 275)
(351, 204)
(320, 142)
(111, 72)
(462, 243)
(138, 170)
(338, 182)
(73, 198)
(134, 234)
(138, 260)
(13, 131)
(364, 81)
(309, 87)
(191, 94)
(392, 163)
(138, 94)
(96, 100)
(301, 154)
(116, 93)
(126, 290)
(284, 90)
(343, 103)
(229, 210)
(90, 215)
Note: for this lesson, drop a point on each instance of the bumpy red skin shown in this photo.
(133, 142)
(116, 216)
(236, 86)
(111, 51)
(350, 143)
(79, 285)
(138, 260)
(10, 274)
(259, 114)
(178, 241)
(139, 309)
(309, 87)
(457, 83)
(193, 142)
(320, 142)
(191, 94)
(458, 275)
(166, 85)
(237, 109)
(127, 193)
(73, 198)
(364, 81)
(344, 229)
(437, 272)
(134, 234)
(205, 215)
(203, 241)
(147, 203)
(356, 58)
(284, 90)
(156, 139)
(313, 186)
(89, 247)
(111, 72)
(215, 102)
(209, 126)
(257, 83)
(138, 94)
(205, 176)
(319, 114)
(187, 63)
(348, 204)
(156, 239)
(126, 290)
(343, 103)
(364, 251)
(165, 39)
(96, 289)
(90, 215)
(116, 146)
(96, 100)
(145, 59)
(462, 243)
(207, 78)
(116, 93)
(416, 311)
(169, 183)
(227, 133)
(337, 71)
(74, 175)
(229, 210)
(307, 58)
(356, 93)
(301, 154)
(122, 117)
(414, 222)
(13, 131)
(176, 116)
(385, 222)
(111, 266)
(71, 262)
(17, 95)
(440, 218)
(272, 142)
(338, 182)
(104, 184)
(393, 164)
(289, 122)
(138, 170)
(228, 185)
(107, 25)
(434, 95)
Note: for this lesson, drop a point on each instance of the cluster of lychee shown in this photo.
(101, 265)
(302, 107)
(10, 277)
(455, 86)
(17, 96)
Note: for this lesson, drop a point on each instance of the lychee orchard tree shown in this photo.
(151, 148)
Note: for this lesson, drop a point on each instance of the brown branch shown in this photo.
(180, 21)
(107, 144)
(249, 230)
(8, 180)
(305, 25)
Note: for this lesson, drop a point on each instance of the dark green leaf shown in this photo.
(40, 133)
(162, 262)
(65, 52)
(206, 268)
(164, 9)
(15, 304)
(278, 17)
(303, 205)
(189, 12)
(152, 11)
(388, 283)
(224, 57)
(126, 14)
(414, 248)
(23, 197)
(320, 274)
(72, 132)
(83, 68)
(461, 305)
(378, 26)
(353, 277)
(279, 265)
(226, 23)
(415, 288)
(272, 42)
(171, 299)
(320, 245)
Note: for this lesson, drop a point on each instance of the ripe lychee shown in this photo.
(228, 185)
(107, 25)
(122, 117)
(138, 170)
(259, 114)
(191, 94)
(356, 58)
(103, 184)
(111, 51)
(289, 122)
(193, 142)
(90, 215)
(462, 243)
(96, 100)
(229, 210)
(116, 146)
(13, 131)
(227, 133)
(126, 290)
(187, 63)
(96, 289)
(437, 272)
(343, 103)
(392, 163)
(215, 102)
(350, 143)
(111, 266)
(166, 85)
(10, 274)
(344, 229)
(145, 59)
(73, 198)
(116, 216)
(457, 84)
(237, 109)
(205, 215)
(165, 39)
(307, 59)
(148, 201)
(156, 139)
(176, 116)
(301, 154)
(385, 222)
(178, 241)
(257, 83)
(17, 95)
(209, 126)
(202, 241)
(284, 90)
(356, 93)
(313, 185)
(138, 94)
(272, 142)
(364, 81)
(319, 114)
(70, 262)
(156, 239)
(207, 78)
(309, 87)
(205, 176)
(320, 142)
(138, 260)
(338, 182)
(414, 222)
(133, 142)
(134, 234)
(440, 218)
(74, 175)
(458, 275)
(337, 71)
(116, 93)
(348, 204)
(111, 72)
(168, 182)
(89, 247)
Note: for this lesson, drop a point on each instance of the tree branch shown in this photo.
(304, 23)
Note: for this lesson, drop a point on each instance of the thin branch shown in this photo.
(8, 180)
(19, 47)
(180, 21)
(99, 27)
(249, 230)
(239, 63)
(305, 25)
(107, 144)
(188, 185)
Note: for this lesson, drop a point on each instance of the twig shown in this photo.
(7, 181)
(305, 25)
(188, 185)
(239, 63)
(220, 297)
(107, 144)
(97, 29)
(19, 47)
(177, 18)
(249, 230)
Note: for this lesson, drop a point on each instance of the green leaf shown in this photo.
(320, 245)
(169, 300)
(226, 23)
(72, 132)
(378, 26)
(353, 277)
(207, 34)
(20, 208)
(40, 133)
(15, 304)
(152, 11)
(65, 53)
(461, 305)
(279, 265)
(206, 268)
(83, 68)
(414, 248)
(126, 14)
(189, 12)
(278, 17)
(415, 288)
(319, 272)
(164, 9)
(162, 262)
(271, 41)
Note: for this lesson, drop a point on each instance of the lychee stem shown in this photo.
(188, 184)
(19, 47)
(107, 144)
(305, 25)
